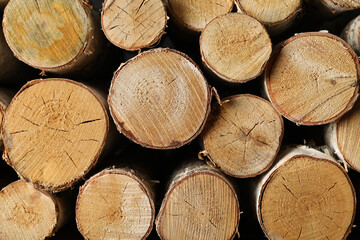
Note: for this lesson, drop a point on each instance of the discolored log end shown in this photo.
(159, 99)
(115, 204)
(28, 213)
(306, 196)
(243, 135)
(194, 15)
(133, 25)
(312, 78)
(235, 47)
(199, 204)
(351, 34)
(55, 36)
(54, 131)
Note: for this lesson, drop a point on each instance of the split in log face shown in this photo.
(236, 47)
(48, 34)
(312, 78)
(307, 198)
(159, 99)
(27, 213)
(54, 131)
(199, 205)
(243, 136)
(114, 204)
(133, 25)
(194, 15)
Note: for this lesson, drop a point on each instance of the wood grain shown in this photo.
(351, 34)
(312, 78)
(54, 131)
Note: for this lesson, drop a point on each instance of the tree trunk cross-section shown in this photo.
(159, 99)
(134, 25)
(312, 78)
(235, 47)
(52, 35)
(115, 204)
(334, 7)
(351, 34)
(28, 213)
(54, 131)
(307, 195)
(200, 204)
(243, 135)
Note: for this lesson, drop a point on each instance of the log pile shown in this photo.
(179, 119)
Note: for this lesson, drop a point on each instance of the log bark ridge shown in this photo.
(305, 195)
(159, 99)
(312, 78)
(54, 131)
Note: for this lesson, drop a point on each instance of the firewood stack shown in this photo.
(179, 119)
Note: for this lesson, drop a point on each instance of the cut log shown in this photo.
(159, 99)
(115, 204)
(5, 98)
(133, 25)
(199, 204)
(276, 15)
(307, 195)
(334, 7)
(243, 136)
(351, 34)
(235, 47)
(342, 137)
(28, 213)
(54, 131)
(312, 78)
(195, 15)
(54, 36)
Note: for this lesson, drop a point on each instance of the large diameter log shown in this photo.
(276, 15)
(199, 204)
(334, 7)
(342, 137)
(312, 78)
(29, 213)
(159, 99)
(195, 15)
(306, 195)
(243, 135)
(133, 25)
(54, 131)
(115, 204)
(235, 47)
(54, 36)
(351, 34)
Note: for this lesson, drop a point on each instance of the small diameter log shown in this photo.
(115, 204)
(242, 136)
(54, 36)
(235, 47)
(312, 78)
(195, 15)
(307, 195)
(54, 131)
(342, 137)
(28, 213)
(276, 15)
(351, 34)
(199, 204)
(159, 99)
(334, 7)
(133, 25)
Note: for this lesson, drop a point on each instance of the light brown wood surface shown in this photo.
(5, 98)
(276, 15)
(55, 36)
(307, 195)
(115, 204)
(235, 47)
(28, 213)
(133, 25)
(54, 131)
(334, 7)
(243, 136)
(312, 78)
(159, 99)
(199, 204)
(194, 15)
(351, 34)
